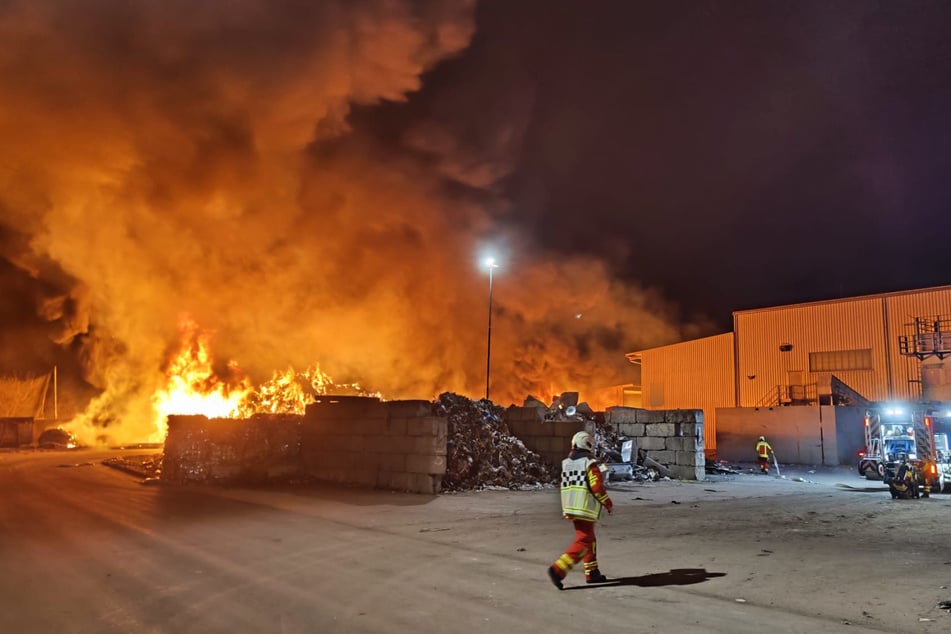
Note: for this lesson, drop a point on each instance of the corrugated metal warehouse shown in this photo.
(889, 346)
(694, 374)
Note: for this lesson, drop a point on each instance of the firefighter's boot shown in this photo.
(595, 576)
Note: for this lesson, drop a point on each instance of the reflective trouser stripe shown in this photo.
(584, 548)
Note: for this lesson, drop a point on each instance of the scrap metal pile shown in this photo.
(616, 451)
(481, 452)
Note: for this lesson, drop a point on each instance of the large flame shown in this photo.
(195, 387)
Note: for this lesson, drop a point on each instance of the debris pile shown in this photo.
(148, 467)
(721, 467)
(613, 448)
(56, 438)
(480, 450)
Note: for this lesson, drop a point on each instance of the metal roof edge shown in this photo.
(635, 356)
(840, 300)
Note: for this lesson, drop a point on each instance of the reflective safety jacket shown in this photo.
(582, 487)
(763, 449)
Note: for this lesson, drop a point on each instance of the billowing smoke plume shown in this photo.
(170, 159)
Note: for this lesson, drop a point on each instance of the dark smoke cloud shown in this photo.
(164, 159)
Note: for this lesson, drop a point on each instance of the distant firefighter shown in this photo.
(904, 484)
(763, 451)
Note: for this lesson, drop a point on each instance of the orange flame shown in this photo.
(193, 387)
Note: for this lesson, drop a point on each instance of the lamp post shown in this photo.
(490, 264)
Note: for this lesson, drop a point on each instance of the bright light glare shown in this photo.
(490, 263)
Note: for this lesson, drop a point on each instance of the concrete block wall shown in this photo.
(396, 445)
(549, 439)
(671, 437)
(16, 432)
(260, 448)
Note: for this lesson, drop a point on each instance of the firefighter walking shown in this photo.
(763, 450)
(583, 494)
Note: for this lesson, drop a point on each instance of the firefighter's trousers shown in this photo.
(584, 548)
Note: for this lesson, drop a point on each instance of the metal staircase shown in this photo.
(926, 337)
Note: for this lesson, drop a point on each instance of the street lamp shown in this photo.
(490, 264)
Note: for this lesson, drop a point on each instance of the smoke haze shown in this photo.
(239, 163)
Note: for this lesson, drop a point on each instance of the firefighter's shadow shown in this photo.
(676, 577)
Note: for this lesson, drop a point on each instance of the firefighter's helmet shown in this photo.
(583, 440)
(763, 438)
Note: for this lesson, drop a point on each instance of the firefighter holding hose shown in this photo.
(583, 495)
(763, 450)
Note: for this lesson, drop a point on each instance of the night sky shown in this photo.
(316, 182)
(731, 154)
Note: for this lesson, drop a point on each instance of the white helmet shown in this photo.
(762, 437)
(583, 440)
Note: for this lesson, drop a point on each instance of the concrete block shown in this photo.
(327, 474)
(425, 484)
(313, 428)
(537, 429)
(344, 408)
(528, 414)
(697, 473)
(409, 409)
(663, 456)
(315, 442)
(652, 443)
(395, 426)
(390, 444)
(391, 461)
(651, 416)
(394, 481)
(631, 430)
(178, 423)
(567, 429)
(676, 443)
(690, 458)
(692, 430)
(555, 445)
(362, 426)
(426, 464)
(356, 444)
(427, 426)
(618, 415)
(430, 445)
(659, 429)
(363, 477)
(334, 458)
(682, 415)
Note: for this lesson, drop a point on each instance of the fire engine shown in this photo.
(894, 431)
